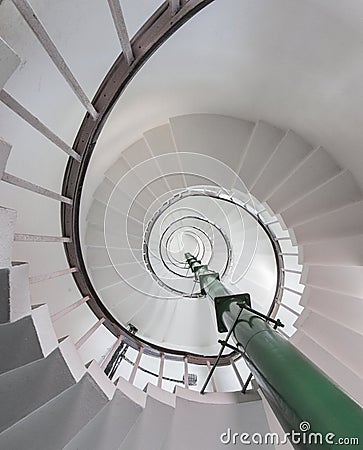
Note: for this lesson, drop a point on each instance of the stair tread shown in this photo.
(74, 408)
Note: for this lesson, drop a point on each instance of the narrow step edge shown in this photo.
(19, 303)
(7, 227)
(102, 380)
(133, 393)
(72, 358)
(223, 398)
(44, 328)
(161, 395)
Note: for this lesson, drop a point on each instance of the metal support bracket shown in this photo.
(277, 322)
(225, 343)
(220, 305)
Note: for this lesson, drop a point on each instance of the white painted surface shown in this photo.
(9, 61)
(7, 227)
(101, 379)
(72, 358)
(19, 291)
(44, 327)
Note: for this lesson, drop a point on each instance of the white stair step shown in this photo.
(139, 157)
(95, 237)
(346, 221)
(131, 392)
(14, 292)
(100, 257)
(104, 191)
(206, 423)
(130, 188)
(343, 279)
(208, 134)
(19, 291)
(346, 251)
(185, 321)
(106, 430)
(113, 294)
(288, 154)
(85, 396)
(9, 62)
(335, 193)
(7, 227)
(129, 300)
(136, 153)
(117, 171)
(151, 428)
(333, 337)
(29, 387)
(291, 300)
(105, 276)
(263, 142)
(316, 169)
(288, 319)
(344, 309)
(201, 169)
(96, 215)
(160, 318)
(123, 201)
(338, 372)
(130, 306)
(161, 142)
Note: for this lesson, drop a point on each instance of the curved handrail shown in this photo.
(156, 30)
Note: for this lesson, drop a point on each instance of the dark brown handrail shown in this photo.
(156, 30)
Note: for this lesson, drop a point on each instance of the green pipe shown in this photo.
(296, 389)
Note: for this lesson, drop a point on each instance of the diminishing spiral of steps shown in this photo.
(237, 183)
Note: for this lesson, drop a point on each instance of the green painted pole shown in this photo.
(300, 394)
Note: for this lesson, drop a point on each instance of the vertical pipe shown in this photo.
(297, 390)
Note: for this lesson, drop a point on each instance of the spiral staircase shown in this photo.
(104, 225)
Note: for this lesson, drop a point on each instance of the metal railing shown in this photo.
(170, 16)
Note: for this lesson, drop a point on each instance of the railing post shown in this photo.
(89, 333)
(67, 309)
(23, 237)
(136, 366)
(214, 386)
(43, 37)
(48, 276)
(33, 121)
(111, 352)
(121, 29)
(186, 373)
(161, 370)
(238, 375)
